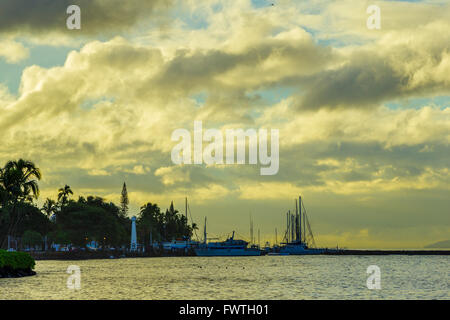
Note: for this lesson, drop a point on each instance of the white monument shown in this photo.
(133, 246)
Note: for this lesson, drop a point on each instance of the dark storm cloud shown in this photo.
(369, 78)
(306, 56)
(366, 80)
(372, 159)
(35, 16)
(198, 70)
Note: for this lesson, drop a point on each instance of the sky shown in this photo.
(363, 114)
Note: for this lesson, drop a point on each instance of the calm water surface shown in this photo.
(268, 277)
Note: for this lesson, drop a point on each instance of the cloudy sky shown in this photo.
(363, 115)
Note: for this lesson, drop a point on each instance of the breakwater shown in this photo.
(107, 254)
(87, 255)
(386, 252)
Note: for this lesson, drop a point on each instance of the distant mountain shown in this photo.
(439, 244)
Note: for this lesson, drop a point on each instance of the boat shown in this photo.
(229, 247)
(298, 248)
(178, 244)
(299, 237)
(278, 254)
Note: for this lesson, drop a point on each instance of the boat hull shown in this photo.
(299, 250)
(208, 252)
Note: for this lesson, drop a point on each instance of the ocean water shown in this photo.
(267, 277)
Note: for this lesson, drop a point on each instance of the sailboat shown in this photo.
(299, 239)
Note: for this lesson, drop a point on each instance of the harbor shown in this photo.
(93, 228)
(298, 239)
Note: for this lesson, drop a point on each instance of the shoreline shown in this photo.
(8, 273)
(111, 256)
(102, 255)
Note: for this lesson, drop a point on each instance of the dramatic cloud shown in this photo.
(98, 16)
(399, 65)
(364, 117)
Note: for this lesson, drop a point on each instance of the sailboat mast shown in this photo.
(296, 217)
(259, 240)
(204, 233)
(276, 238)
(186, 211)
(287, 226)
(292, 227)
(304, 225)
(251, 230)
(300, 213)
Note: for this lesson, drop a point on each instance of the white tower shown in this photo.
(133, 235)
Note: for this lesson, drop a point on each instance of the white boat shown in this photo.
(179, 244)
(229, 247)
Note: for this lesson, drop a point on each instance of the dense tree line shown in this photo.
(66, 221)
(162, 225)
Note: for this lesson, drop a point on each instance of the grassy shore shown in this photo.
(16, 264)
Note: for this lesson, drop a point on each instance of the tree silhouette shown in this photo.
(63, 195)
(49, 207)
(124, 201)
(18, 184)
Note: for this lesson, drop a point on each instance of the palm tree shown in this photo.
(49, 207)
(18, 183)
(193, 230)
(19, 180)
(63, 194)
